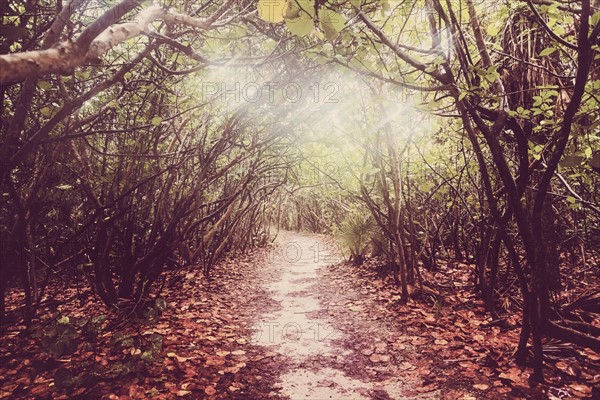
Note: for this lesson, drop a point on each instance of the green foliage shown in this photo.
(143, 347)
(152, 313)
(299, 17)
(331, 23)
(65, 378)
(61, 336)
(272, 11)
(356, 232)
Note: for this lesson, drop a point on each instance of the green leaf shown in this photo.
(161, 304)
(271, 10)
(298, 8)
(547, 51)
(82, 75)
(595, 18)
(492, 73)
(99, 318)
(319, 35)
(493, 30)
(120, 369)
(156, 121)
(426, 186)
(47, 111)
(300, 26)
(331, 23)
(44, 85)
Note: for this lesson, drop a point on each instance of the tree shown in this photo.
(464, 74)
(113, 171)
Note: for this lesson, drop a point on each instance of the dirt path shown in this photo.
(333, 346)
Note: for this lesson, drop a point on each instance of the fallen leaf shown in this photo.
(581, 388)
(211, 391)
(174, 355)
(427, 388)
(215, 361)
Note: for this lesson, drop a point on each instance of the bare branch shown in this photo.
(94, 42)
(443, 78)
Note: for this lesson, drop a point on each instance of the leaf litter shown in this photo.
(347, 336)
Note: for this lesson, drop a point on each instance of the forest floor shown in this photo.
(301, 325)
